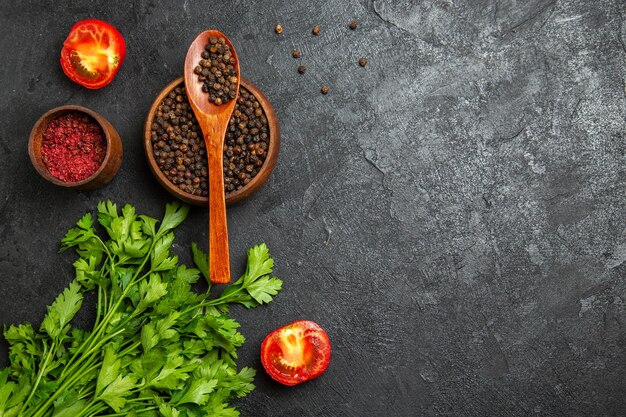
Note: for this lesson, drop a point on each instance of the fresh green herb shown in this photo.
(157, 347)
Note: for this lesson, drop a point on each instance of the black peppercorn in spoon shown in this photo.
(213, 120)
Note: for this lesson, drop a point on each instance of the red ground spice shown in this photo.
(73, 147)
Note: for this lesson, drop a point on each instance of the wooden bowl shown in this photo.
(109, 166)
(232, 197)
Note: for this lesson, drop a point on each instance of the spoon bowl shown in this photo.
(213, 120)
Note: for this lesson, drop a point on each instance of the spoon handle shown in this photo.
(219, 260)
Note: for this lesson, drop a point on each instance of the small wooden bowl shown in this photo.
(109, 166)
(243, 192)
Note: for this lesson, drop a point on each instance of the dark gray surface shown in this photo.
(453, 214)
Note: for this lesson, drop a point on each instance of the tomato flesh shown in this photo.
(296, 353)
(93, 53)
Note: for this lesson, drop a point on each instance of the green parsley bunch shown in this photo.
(157, 348)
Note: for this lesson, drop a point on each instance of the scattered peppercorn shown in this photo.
(353, 24)
(279, 29)
(301, 69)
(296, 53)
(362, 62)
(73, 147)
(179, 150)
(217, 71)
(316, 30)
(325, 89)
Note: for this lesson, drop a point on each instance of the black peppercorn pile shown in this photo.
(178, 145)
(246, 143)
(217, 72)
(179, 149)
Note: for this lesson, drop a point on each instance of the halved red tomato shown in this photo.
(93, 53)
(295, 353)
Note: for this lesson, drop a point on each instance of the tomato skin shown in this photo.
(98, 46)
(295, 353)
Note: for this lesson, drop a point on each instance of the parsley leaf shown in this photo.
(264, 288)
(201, 260)
(175, 214)
(62, 310)
(198, 392)
(116, 392)
(109, 370)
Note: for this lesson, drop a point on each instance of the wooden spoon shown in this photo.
(213, 121)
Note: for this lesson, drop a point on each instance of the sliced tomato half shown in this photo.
(93, 53)
(295, 353)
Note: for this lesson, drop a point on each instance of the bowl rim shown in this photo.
(48, 116)
(243, 192)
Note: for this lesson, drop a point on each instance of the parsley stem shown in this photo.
(102, 342)
(86, 355)
(129, 349)
(93, 409)
(125, 413)
(214, 302)
(104, 304)
(82, 346)
(42, 369)
(98, 305)
(104, 246)
(101, 327)
(133, 281)
(76, 377)
(86, 409)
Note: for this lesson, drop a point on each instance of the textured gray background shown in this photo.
(453, 214)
